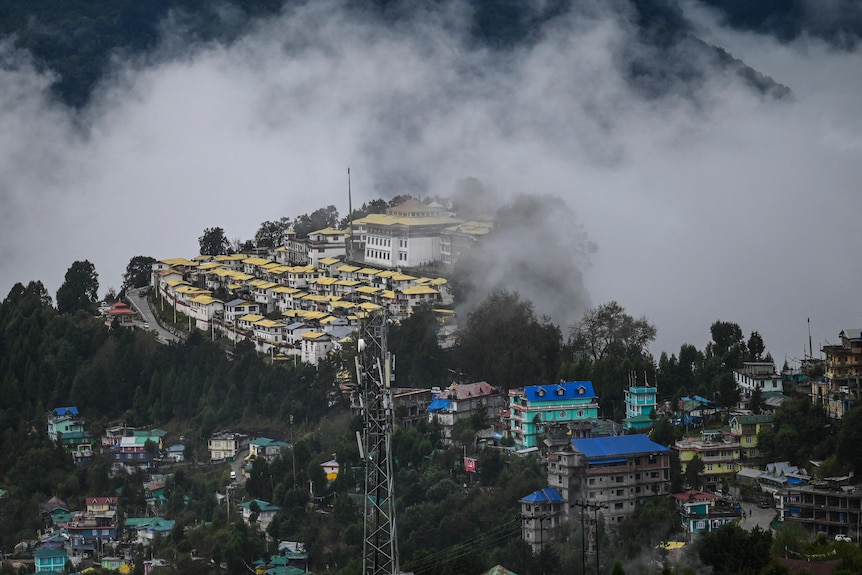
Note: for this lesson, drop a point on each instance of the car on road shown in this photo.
(233, 475)
(763, 503)
(842, 537)
(146, 325)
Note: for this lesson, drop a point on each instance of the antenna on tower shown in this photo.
(810, 347)
(374, 370)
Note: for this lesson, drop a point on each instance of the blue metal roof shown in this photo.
(439, 405)
(608, 447)
(546, 495)
(570, 390)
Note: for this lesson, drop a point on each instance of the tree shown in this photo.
(504, 343)
(80, 289)
(138, 272)
(850, 438)
(756, 347)
(692, 472)
(319, 219)
(756, 401)
(608, 330)
(726, 391)
(270, 234)
(213, 242)
(414, 342)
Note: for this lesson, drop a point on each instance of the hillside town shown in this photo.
(305, 300)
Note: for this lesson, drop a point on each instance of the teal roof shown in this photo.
(262, 505)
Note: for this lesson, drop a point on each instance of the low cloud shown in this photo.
(707, 200)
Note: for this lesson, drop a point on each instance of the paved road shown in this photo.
(756, 516)
(148, 318)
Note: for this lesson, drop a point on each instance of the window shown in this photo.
(709, 467)
(561, 391)
(620, 492)
(618, 505)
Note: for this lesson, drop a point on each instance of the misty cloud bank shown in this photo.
(707, 199)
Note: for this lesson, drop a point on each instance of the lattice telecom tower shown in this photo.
(375, 374)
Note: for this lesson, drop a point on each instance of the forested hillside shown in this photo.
(81, 42)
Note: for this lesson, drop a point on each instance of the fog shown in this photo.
(709, 202)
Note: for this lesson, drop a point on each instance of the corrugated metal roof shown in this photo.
(617, 445)
(546, 495)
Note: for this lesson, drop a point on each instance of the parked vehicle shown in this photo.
(842, 537)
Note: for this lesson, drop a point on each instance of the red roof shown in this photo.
(692, 495)
(101, 500)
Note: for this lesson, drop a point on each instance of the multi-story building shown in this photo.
(760, 375)
(226, 445)
(461, 401)
(407, 235)
(720, 453)
(535, 409)
(640, 401)
(838, 390)
(833, 507)
(744, 430)
(326, 243)
(614, 474)
(542, 512)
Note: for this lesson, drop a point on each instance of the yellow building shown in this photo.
(839, 389)
(719, 451)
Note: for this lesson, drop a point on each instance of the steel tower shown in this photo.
(375, 374)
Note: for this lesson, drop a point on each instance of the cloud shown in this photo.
(706, 199)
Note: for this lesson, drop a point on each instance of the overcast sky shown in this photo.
(729, 206)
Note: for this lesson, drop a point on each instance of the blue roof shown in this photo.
(546, 495)
(439, 405)
(617, 445)
(571, 390)
(66, 411)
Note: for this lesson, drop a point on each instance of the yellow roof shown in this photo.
(368, 306)
(262, 284)
(230, 257)
(172, 283)
(386, 273)
(210, 265)
(439, 281)
(367, 289)
(256, 261)
(417, 290)
(268, 323)
(179, 262)
(316, 297)
(399, 277)
(285, 289)
(346, 268)
(392, 220)
(369, 271)
(313, 335)
(330, 231)
(202, 258)
(327, 261)
(251, 317)
(292, 313)
(343, 304)
(329, 319)
(325, 281)
(191, 289)
(204, 299)
(388, 294)
(349, 283)
(301, 269)
(313, 314)
(234, 286)
(444, 311)
(271, 265)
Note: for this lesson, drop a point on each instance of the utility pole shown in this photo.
(585, 507)
(374, 374)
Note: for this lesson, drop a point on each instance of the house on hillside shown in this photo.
(839, 389)
(262, 511)
(640, 402)
(757, 375)
(542, 512)
(461, 401)
(702, 512)
(227, 445)
(535, 409)
(50, 560)
(617, 472)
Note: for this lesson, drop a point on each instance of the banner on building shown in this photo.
(470, 465)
